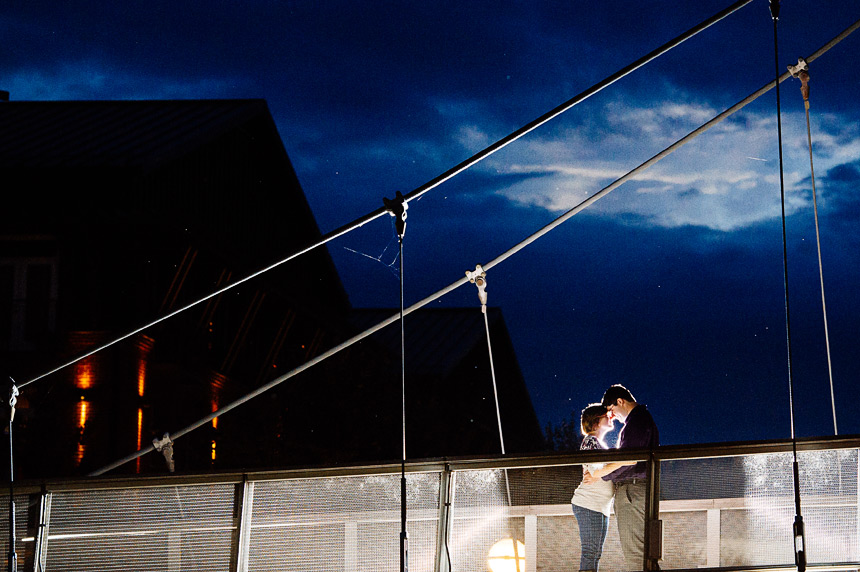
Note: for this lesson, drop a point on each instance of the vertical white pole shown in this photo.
(531, 543)
(713, 529)
(244, 532)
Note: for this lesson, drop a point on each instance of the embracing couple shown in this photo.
(625, 481)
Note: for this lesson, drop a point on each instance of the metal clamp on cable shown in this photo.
(165, 447)
(799, 544)
(479, 278)
(397, 208)
(13, 400)
(801, 72)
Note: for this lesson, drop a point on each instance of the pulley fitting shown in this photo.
(479, 278)
(801, 72)
(13, 400)
(396, 207)
(165, 447)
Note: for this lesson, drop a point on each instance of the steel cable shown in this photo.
(499, 259)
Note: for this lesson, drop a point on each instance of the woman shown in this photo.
(592, 502)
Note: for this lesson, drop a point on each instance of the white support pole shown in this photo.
(443, 532)
(531, 543)
(243, 531)
(856, 551)
(41, 552)
(713, 532)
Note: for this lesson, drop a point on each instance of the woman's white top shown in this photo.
(598, 495)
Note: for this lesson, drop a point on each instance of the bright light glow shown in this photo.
(215, 385)
(83, 416)
(139, 433)
(507, 555)
(213, 450)
(84, 374)
(141, 377)
(83, 412)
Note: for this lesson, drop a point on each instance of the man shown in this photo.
(639, 432)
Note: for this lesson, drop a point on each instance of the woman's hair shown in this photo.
(591, 417)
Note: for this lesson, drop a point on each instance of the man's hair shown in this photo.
(615, 393)
(591, 417)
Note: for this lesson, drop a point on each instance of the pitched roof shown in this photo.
(113, 133)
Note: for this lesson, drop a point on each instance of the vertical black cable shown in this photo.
(404, 540)
(13, 556)
(798, 530)
(396, 207)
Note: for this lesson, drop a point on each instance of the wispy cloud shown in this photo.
(726, 179)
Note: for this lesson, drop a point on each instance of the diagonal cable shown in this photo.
(499, 259)
(449, 174)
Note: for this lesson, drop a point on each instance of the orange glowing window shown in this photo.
(84, 374)
(141, 377)
(79, 456)
(83, 413)
(139, 427)
(213, 450)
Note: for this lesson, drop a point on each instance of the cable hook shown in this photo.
(13, 399)
(479, 278)
(801, 72)
(397, 208)
(165, 447)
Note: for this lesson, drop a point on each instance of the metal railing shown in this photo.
(725, 506)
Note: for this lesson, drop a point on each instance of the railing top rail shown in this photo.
(664, 453)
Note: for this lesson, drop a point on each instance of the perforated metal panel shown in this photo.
(343, 524)
(23, 536)
(751, 501)
(183, 528)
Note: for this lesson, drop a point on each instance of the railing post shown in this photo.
(531, 542)
(40, 552)
(244, 508)
(443, 532)
(857, 497)
(713, 538)
(653, 524)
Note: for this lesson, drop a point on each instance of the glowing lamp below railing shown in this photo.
(507, 555)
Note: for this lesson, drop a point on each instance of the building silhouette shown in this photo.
(120, 212)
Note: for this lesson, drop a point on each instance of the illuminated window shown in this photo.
(84, 374)
(83, 417)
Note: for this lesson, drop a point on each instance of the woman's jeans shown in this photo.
(592, 532)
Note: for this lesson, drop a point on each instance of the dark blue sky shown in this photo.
(672, 285)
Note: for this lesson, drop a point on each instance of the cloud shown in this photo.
(726, 179)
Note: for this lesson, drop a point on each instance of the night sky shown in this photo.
(672, 284)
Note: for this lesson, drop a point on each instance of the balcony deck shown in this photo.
(725, 506)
